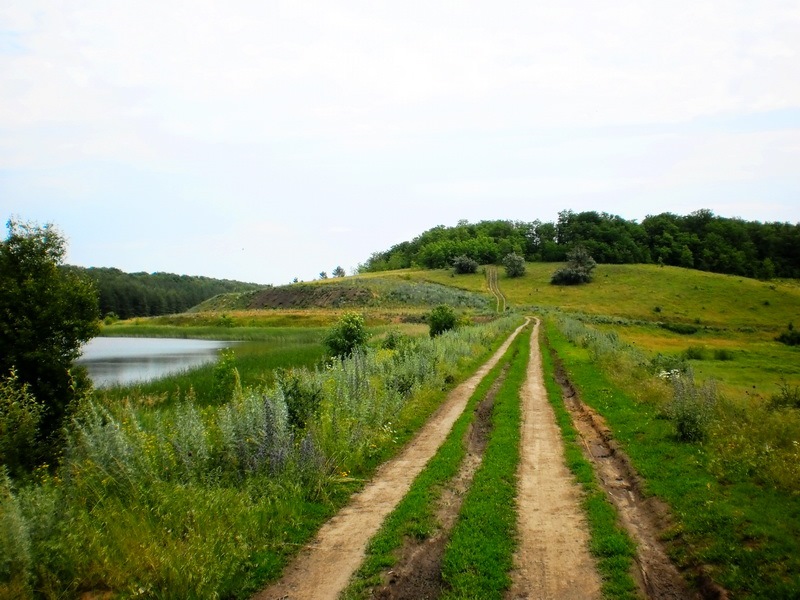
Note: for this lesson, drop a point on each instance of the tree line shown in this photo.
(130, 295)
(700, 240)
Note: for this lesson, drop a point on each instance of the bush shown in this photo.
(578, 269)
(226, 377)
(790, 337)
(514, 264)
(723, 354)
(680, 328)
(301, 393)
(788, 396)
(463, 265)
(695, 353)
(692, 408)
(20, 414)
(347, 336)
(441, 319)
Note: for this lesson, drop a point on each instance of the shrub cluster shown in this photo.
(514, 264)
(578, 269)
(464, 265)
(692, 407)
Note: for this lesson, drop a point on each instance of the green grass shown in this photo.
(414, 516)
(746, 533)
(480, 553)
(609, 543)
(635, 291)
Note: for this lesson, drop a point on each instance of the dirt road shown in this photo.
(553, 559)
(322, 570)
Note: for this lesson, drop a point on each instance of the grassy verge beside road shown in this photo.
(744, 528)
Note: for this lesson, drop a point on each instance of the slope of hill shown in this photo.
(350, 292)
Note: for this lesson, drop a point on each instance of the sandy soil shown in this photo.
(553, 559)
(321, 571)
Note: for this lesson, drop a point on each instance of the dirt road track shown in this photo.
(322, 570)
(553, 559)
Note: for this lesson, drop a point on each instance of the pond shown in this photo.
(114, 361)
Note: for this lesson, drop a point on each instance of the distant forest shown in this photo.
(150, 294)
(700, 240)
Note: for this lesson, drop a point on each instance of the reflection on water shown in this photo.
(122, 361)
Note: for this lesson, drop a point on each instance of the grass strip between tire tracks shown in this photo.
(609, 542)
(480, 553)
(415, 516)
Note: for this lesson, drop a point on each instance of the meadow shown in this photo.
(197, 499)
(245, 459)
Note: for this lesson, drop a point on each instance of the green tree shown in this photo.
(441, 319)
(347, 336)
(46, 314)
(578, 269)
(514, 264)
(338, 271)
(463, 264)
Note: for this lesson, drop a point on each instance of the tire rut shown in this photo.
(553, 559)
(322, 569)
(644, 518)
(417, 575)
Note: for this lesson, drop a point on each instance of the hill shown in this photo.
(350, 292)
(130, 295)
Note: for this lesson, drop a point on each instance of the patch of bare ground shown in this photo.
(553, 559)
(322, 569)
(645, 518)
(417, 575)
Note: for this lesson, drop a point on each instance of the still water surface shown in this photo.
(123, 361)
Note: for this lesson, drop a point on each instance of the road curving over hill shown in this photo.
(322, 569)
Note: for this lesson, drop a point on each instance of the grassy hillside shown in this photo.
(351, 292)
(643, 292)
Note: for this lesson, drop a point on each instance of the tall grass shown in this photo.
(192, 501)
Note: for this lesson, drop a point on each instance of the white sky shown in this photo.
(265, 140)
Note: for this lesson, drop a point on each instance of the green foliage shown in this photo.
(46, 314)
(339, 271)
(149, 294)
(15, 559)
(395, 340)
(214, 499)
(692, 407)
(578, 269)
(347, 336)
(464, 265)
(695, 353)
(788, 396)
(20, 414)
(302, 395)
(226, 377)
(700, 240)
(681, 328)
(514, 264)
(442, 318)
(790, 337)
